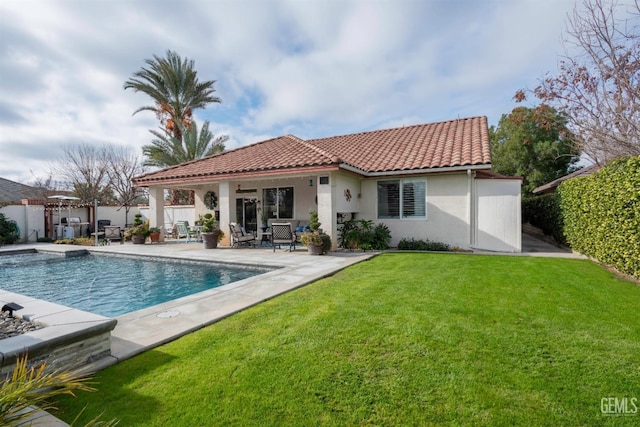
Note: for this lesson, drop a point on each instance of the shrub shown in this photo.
(602, 214)
(30, 386)
(314, 224)
(422, 245)
(544, 212)
(8, 230)
(362, 234)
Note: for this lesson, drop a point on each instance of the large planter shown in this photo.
(210, 239)
(138, 240)
(315, 249)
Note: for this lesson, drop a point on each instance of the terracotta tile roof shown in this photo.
(461, 142)
(437, 145)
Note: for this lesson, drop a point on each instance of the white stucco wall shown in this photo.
(447, 211)
(29, 218)
(499, 215)
(347, 185)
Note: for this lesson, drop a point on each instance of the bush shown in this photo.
(544, 212)
(422, 245)
(602, 214)
(362, 234)
(8, 230)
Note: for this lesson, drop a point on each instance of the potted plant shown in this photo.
(211, 232)
(140, 230)
(264, 217)
(154, 234)
(316, 241)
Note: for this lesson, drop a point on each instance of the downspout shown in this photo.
(471, 204)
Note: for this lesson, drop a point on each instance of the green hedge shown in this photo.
(8, 231)
(422, 245)
(602, 214)
(544, 212)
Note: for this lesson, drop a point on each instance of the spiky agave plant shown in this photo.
(29, 388)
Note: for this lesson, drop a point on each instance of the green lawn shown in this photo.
(403, 339)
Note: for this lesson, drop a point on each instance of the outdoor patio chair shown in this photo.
(240, 237)
(282, 234)
(169, 231)
(183, 231)
(112, 232)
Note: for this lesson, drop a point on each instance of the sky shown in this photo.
(311, 68)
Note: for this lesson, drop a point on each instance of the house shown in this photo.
(430, 181)
(23, 205)
(12, 192)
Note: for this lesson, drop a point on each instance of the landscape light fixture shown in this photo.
(10, 307)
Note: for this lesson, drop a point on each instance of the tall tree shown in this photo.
(598, 85)
(169, 150)
(533, 143)
(173, 85)
(83, 168)
(123, 166)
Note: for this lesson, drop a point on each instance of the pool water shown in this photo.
(112, 285)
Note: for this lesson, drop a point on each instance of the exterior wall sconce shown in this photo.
(310, 182)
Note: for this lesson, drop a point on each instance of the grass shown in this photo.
(403, 339)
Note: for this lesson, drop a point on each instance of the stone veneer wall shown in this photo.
(71, 339)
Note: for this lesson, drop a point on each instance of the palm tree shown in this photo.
(168, 150)
(173, 84)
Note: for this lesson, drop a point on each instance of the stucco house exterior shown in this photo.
(430, 181)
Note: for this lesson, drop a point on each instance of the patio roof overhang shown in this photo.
(199, 179)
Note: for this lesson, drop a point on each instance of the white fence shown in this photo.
(30, 219)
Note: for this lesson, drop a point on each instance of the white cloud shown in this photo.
(311, 68)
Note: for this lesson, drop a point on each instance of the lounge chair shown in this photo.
(240, 237)
(282, 234)
(183, 230)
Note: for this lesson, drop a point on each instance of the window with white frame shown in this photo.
(402, 198)
(278, 202)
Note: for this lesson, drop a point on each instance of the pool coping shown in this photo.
(151, 327)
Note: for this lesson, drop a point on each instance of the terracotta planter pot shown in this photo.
(315, 249)
(210, 239)
(138, 240)
(155, 237)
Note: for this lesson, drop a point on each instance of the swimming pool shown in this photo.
(111, 285)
